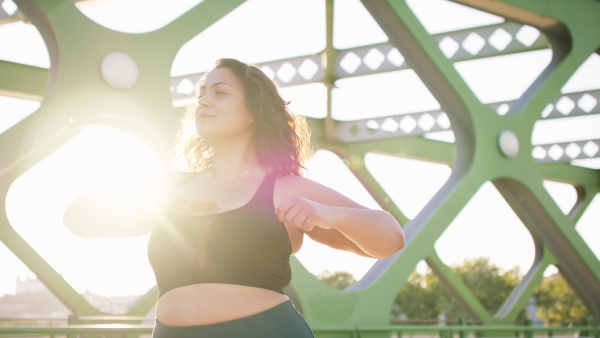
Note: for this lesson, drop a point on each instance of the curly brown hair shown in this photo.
(282, 138)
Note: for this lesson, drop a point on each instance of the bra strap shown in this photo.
(267, 188)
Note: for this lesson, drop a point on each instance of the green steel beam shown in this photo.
(36, 263)
(586, 182)
(356, 164)
(329, 67)
(520, 295)
(373, 302)
(23, 81)
(376, 190)
(537, 210)
(386, 65)
(144, 303)
(422, 53)
(457, 289)
(145, 111)
(417, 148)
(581, 206)
(437, 72)
(563, 172)
(482, 127)
(364, 331)
(5, 18)
(74, 82)
(186, 27)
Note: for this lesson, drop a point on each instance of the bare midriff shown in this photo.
(202, 304)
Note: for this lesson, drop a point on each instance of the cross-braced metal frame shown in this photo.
(570, 28)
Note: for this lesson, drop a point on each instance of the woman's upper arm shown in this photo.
(293, 186)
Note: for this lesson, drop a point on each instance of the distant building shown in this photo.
(29, 285)
(33, 300)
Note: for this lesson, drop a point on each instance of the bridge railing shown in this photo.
(362, 331)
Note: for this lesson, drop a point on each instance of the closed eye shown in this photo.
(218, 92)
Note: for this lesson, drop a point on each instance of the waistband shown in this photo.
(280, 321)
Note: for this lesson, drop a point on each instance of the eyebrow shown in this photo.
(216, 84)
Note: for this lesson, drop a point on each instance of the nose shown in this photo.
(202, 104)
(203, 101)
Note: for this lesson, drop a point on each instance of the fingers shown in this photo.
(309, 224)
(286, 211)
(283, 208)
(294, 215)
(297, 212)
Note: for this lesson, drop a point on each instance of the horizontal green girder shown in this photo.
(364, 330)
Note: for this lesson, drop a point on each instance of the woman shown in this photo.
(221, 244)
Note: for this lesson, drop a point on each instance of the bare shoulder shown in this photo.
(298, 186)
(287, 187)
(294, 181)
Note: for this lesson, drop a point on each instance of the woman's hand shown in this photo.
(333, 219)
(305, 214)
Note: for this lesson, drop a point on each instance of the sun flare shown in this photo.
(101, 159)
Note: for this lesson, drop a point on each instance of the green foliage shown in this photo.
(423, 298)
(559, 305)
(488, 282)
(337, 280)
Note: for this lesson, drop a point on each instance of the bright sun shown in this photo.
(99, 158)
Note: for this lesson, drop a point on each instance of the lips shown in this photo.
(204, 115)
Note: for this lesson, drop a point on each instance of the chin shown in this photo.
(203, 132)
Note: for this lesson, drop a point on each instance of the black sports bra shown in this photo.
(244, 246)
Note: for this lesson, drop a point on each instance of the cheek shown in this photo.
(242, 114)
(248, 116)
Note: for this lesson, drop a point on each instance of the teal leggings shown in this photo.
(280, 321)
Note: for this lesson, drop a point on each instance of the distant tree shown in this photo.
(424, 298)
(558, 303)
(421, 298)
(338, 280)
(488, 282)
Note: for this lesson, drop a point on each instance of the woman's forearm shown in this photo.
(375, 232)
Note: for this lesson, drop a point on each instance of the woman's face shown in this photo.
(221, 111)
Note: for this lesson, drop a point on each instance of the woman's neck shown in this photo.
(234, 161)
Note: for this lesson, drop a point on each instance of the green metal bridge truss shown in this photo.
(570, 28)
